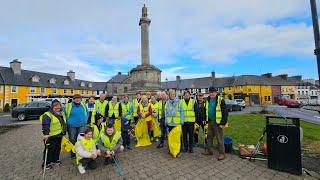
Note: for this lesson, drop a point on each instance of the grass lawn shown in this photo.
(247, 129)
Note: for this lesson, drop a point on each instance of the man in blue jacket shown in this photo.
(77, 118)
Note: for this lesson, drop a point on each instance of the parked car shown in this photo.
(289, 103)
(241, 102)
(232, 105)
(30, 110)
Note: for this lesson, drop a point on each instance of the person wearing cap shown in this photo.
(90, 106)
(110, 143)
(135, 104)
(53, 128)
(189, 119)
(200, 113)
(216, 116)
(86, 151)
(77, 118)
(100, 106)
(125, 133)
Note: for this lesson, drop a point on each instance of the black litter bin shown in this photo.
(227, 144)
(284, 148)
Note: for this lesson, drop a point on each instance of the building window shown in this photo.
(269, 98)
(66, 82)
(42, 90)
(14, 89)
(312, 93)
(0, 89)
(82, 91)
(64, 91)
(114, 90)
(32, 89)
(71, 91)
(302, 92)
(265, 98)
(52, 81)
(229, 88)
(54, 90)
(125, 89)
(307, 92)
(87, 92)
(298, 92)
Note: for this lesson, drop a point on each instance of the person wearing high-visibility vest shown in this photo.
(90, 106)
(77, 118)
(53, 128)
(154, 117)
(114, 112)
(174, 116)
(127, 108)
(127, 112)
(110, 143)
(135, 104)
(161, 118)
(189, 119)
(144, 111)
(86, 151)
(216, 115)
(100, 106)
(97, 127)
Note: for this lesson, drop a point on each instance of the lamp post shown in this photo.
(316, 33)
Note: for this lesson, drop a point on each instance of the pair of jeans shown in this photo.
(188, 133)
(163, 128)
(73, 133)
(54, 147)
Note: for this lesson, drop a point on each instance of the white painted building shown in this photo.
(308, 93)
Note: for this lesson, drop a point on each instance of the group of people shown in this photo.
(105, 128)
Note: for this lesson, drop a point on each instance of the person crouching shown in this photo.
(86, 152)
(110, 143)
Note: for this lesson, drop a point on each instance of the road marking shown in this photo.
(317, 117)
(6, 115)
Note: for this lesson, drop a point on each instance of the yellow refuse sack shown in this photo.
(117, 125)
(66, 145)
(156, 128)
(174, 140)
(141, 133)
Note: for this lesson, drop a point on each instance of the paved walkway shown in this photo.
(21, 151)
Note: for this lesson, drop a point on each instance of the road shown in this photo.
(303, 114)
(6, 119)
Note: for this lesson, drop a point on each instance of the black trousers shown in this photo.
(126, 138)
(135, 119)
(88, 163)
(188, 133)
(54, 147)
(163, 128)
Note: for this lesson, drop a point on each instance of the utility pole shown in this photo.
(316, 33)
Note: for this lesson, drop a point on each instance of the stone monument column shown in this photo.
(144, 23)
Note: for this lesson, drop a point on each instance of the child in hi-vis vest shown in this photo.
(86, 151)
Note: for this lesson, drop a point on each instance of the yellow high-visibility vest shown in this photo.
(189, 115)
(55, 126)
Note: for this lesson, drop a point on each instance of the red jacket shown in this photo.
(149, 113)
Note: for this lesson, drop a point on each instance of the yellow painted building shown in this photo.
(19, 86)
(252, 94)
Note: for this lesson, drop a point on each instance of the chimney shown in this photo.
(178, 81)
(284, 76)
(268, 75)
(15, 65)
(299, 78)
(71, 75)
(119, 73)
(213, 78)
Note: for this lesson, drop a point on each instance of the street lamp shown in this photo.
(316, 33)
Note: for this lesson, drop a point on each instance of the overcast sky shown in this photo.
(190, 38)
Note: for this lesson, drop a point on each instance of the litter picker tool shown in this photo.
(119, 168)
(45, 159)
